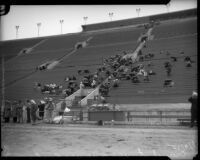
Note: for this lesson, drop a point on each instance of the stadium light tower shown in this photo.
(61, 22)
(138, 11)
(38, 25)
(85, 19)
(111, 15)
(168, 5)
(17, 28)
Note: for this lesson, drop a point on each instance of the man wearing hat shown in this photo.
(41, 107)
(28, 111)
(49, 110)
(193, 101)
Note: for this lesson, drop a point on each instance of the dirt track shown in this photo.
(77, 140)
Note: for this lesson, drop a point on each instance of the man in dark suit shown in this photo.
(193, 101)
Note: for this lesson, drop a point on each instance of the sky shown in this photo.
(27, 17)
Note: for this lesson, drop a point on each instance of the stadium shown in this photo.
(132, 73)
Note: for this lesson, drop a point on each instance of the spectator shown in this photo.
(135, 79)
(79, 72)
(93, 83)
(188, 64)
(24, 115)
(115, 83)
(81, 88)
(62, 109)
(74, 78)
(146, 76)
(151, 72)
(7, 112)
(174, 59)
(50, 108)
(19, 112)
(193, 101)
(33, 110)
(168, 68)
(168, 83)
(41, 107)
(28, 109)
(14, 112)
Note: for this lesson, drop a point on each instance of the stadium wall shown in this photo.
(141, 20)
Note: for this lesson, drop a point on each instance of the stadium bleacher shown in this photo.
(173, 36)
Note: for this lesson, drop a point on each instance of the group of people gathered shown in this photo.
(29, 111)
(49, 88)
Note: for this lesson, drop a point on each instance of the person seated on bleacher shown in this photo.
(174, 59)
(85, 81)
(146, 76)
(108, 73)
(141, 72)
(168, 83)
(79, 71)
(68, 92)
(187, 58)
(67, 79)
(73, 78)
(188, 64)
(116, 83)
(94, 83)
(135, 79)
(86, 71)
(168, 68)
(150, 72)
(150, 64)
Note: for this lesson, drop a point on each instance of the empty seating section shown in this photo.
(60, 42)
(12, 48)
(185, 78)
(125, 35)
(94, 55)
(175, 28)
(114, 24)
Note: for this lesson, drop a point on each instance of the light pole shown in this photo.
(138, 11)
(85, 19)
(38, 25)
(110, 15)
(168, 5)
(61, 22)
(17, 28)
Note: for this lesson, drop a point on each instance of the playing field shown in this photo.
(92, 140)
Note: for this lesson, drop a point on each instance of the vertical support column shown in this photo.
(3, 86)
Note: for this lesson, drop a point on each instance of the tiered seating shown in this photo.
(87, 58)
(61, 42)
(175, 28)
(12, 48)
(101, 46)
(118, 36)
(113, 24)
(185, 78)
